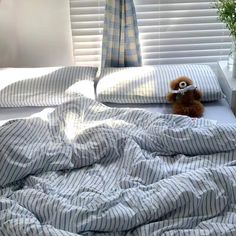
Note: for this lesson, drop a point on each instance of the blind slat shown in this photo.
(177, 21)
(176, 14)
(183, 60)
(190, 47)
(185, 54)
(144, 2)
(174, 6)
(186, 41)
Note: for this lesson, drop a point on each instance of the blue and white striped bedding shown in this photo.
(88, 169)
(151, 84)
(46, 86)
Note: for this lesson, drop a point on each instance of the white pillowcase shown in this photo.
(150, 84)
(47, 86)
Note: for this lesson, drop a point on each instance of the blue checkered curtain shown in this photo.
(120, 46)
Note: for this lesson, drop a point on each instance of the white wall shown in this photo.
(35, 33)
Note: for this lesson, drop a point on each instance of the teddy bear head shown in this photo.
(180, 83)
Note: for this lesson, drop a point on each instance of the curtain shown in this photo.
(120, 46)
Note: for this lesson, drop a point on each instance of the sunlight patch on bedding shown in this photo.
(81, 87)
(72, 123)
(43, 115)
(70, 131)
(125, 76)
(76, 125)
(12, 75)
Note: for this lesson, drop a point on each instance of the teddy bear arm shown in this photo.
(197, 95)
(171, 97)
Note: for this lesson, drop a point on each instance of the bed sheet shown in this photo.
(219, 111)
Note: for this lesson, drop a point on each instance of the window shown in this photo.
(87, 24)
(180, 31)
(171, 31)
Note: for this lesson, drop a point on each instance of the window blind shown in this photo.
(171, 31)
(181, 31)
(87, 25)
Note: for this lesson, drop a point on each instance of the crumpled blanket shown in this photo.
(92, 170)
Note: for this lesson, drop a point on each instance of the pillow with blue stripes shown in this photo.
(45, 86)
(150, 84)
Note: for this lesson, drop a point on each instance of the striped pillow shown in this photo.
(150, 84)
(47, 86)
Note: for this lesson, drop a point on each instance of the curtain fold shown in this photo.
(120, 45)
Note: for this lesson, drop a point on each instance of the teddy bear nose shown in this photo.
(182, 84)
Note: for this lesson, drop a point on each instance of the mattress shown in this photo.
(218, 111)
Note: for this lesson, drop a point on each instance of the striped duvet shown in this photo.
(92, 170)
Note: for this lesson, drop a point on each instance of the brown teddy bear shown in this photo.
(185, 97)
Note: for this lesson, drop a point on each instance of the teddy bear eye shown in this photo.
(182, 84)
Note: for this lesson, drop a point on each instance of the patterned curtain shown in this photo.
(120, 46)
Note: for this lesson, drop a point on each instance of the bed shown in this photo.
(84, 168)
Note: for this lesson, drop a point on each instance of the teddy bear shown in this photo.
(185, 97)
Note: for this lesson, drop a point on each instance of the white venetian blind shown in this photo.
(181, 31)
(171, 31)
(87, 24)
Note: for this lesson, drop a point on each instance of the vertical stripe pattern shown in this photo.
(53, 88)
(151, 84)
(94, 170)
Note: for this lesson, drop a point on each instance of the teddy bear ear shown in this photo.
(186, 79)
(174, 84)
